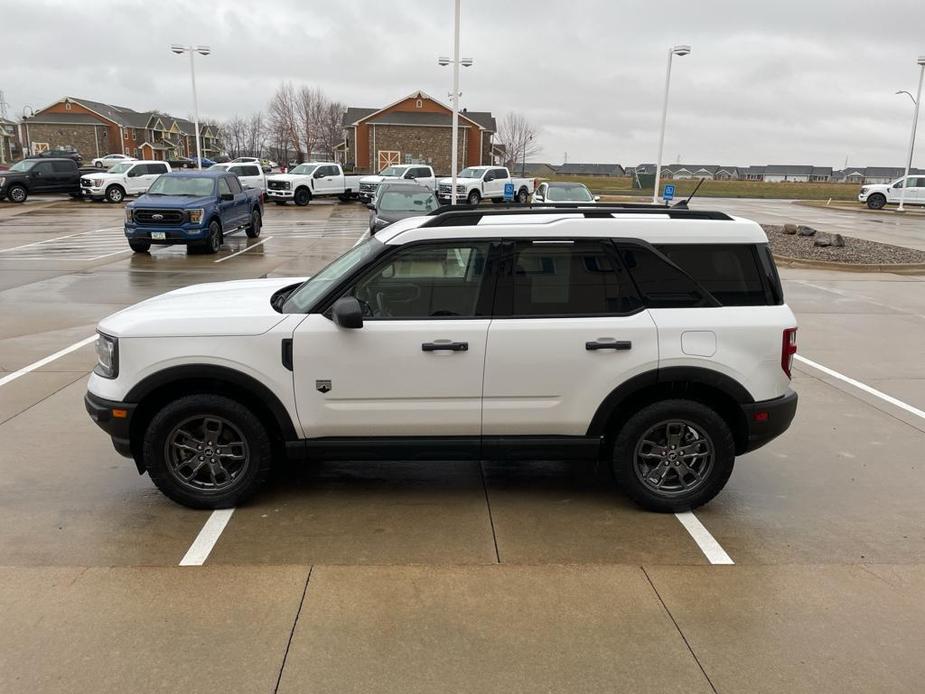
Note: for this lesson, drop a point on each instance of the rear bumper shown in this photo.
(108, 416)
(768, 419)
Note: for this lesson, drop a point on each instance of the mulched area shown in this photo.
(856, 251)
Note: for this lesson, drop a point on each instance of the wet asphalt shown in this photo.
(482, 576)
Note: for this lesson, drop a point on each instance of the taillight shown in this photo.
(788, 349)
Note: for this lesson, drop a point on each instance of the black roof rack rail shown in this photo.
(470, 215)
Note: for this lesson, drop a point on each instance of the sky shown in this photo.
(782, 82)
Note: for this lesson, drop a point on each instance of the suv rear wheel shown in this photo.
(674, 455)
(207, 451)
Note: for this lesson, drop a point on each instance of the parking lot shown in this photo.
(805, 574)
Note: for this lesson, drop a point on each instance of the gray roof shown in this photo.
(536, 167)
(74, 118)
(353, 113)
(410, 118)
(788, 170)
(590, 170)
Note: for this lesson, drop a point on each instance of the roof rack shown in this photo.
(470, 215)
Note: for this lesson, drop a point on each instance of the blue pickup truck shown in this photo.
(196, 208)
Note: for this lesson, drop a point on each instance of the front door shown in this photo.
(568, 328)
(415, 367)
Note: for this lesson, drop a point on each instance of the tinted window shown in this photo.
(430, 281)
(43, 167)
(234, 184)
(64, 166)
(660, 284)
(249, 171)
(421, 173)
(568, 279)
(731, 273)
(157, 168)
(500, 173)
(223, 187)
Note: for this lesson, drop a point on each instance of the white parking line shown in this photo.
(228, 257)
(711, 549)
(47, 360)
(205, 541)
(862, 386)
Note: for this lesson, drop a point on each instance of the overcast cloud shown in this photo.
(788, 81)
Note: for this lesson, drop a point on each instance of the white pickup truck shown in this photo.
(307, 181)
(415, 172)
(478, 183)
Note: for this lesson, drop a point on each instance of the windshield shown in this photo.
(568, 192)
(302, 299)
(304, 169)
(394, 171)
(23, 165)
(192, 186)
(121, 168)
(419, 201)
(473, 172)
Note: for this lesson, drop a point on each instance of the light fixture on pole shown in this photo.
(193, 50)
(455, 62)
(915, 120)
(682, 49)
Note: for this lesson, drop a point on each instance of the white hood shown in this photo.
(372, 179)
(241, 307)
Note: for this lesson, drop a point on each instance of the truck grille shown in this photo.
(85, 183)
(368, 187)
(278, 185)
(158, 216)
(446, 188)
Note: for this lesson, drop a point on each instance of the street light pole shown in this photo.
(673, 51)
(915, 121)
(202, 50)
(456, 62)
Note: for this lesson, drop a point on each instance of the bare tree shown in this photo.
(331, 127)
(256, 135)
(283, 115)
(519, 137)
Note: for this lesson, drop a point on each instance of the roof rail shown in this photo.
(470, 215)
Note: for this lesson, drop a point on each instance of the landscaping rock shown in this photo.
(805, 231)
(790, 229)
(822, 240)
(855, 251)
(838, 241)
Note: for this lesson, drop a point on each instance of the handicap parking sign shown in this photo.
(669, 192)
(508, 191)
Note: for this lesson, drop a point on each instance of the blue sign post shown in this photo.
(668, 194)
(508, 192)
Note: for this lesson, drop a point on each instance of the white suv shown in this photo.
(127, 178)
(656, 339)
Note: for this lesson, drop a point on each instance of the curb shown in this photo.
(897, 269)
(820, 205)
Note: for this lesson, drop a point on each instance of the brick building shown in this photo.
(94, 129)
(416, 129)
(9, 142)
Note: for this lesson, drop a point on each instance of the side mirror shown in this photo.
(489, 178)
(410, 177)
(318, 174)
(226, 196)
(347, 312)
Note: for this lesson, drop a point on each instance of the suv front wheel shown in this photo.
(674, 455)
(207, 451)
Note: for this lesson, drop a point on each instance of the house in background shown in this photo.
(416, 129)
(10, 149)
(590, 170)
(536, 170)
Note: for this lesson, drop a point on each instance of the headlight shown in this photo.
(128, 214)
(460, 189)
(107, 355)
(195, 216)
(863, 190)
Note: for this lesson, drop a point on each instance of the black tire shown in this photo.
(523, 196)
(474, 197)
(683, 490)
(115, 194)
(139, 246)
(17, 193)
(302, 197)
(877, 201)
(253, 229)
(175, 429)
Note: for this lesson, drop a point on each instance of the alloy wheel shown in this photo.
(206, 453)
(674, 457)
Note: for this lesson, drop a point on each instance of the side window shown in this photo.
(233, 183)
(421, 173)
(730, 272)
(577, 278)
(137, 170)
(43, 167)
(659, 283)
(250, 171)
(499, 173)
(223, 188)
(157, 168)
(427, 281)
(63, 166)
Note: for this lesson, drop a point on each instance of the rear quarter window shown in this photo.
(732, 273)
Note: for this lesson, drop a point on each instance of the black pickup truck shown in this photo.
(45, 175)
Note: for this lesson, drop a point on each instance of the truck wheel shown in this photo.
(302, 197)
(115, 194)
(253, 229)
(673, 455)
(523, 196)
(17, 193)
(877, 201)
(213, 243)
(139, 246)
(207, 451)
(474, 198)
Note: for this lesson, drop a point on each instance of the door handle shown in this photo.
(445, 346)
(621, 345)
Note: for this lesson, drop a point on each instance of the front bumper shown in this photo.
(279, 194)
(173, 233)
(862, 197)
(115, 418)
(90, 192)
(768, 419)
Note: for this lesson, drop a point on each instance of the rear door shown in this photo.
(66, 178)
(568, 327)
(152, 171)
(42, 177)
